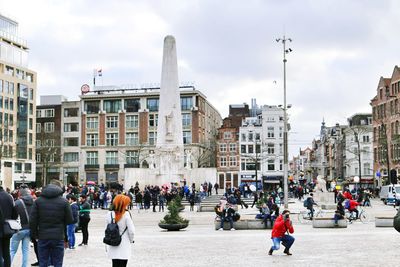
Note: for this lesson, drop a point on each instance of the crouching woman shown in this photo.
(121, 254)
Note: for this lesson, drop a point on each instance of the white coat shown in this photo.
(124, 250)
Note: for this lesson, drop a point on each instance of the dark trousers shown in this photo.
(51, 252)
(119, 263)
(35, 248)
(5, 252)
(85, 232)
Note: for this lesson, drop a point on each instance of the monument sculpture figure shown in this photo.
(320, 185)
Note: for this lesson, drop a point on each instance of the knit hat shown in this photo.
(24, 192)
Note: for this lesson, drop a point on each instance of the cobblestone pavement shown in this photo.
(200, 245)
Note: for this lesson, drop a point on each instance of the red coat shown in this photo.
(347, 195)
(353, 204)
(281, 226)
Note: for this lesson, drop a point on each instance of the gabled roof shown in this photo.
(395, 74)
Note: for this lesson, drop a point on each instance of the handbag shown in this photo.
(10, 226)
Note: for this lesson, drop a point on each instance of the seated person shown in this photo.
(227, 215)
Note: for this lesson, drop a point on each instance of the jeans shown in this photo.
(287, 242)
(23, 236)
(5, 252)
(71, 235)
(161, 206)
(227, 218)
(51, 252)
(337, 217)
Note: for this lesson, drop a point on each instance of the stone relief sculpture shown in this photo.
(188, 159)
(321, 184)
(168, 123)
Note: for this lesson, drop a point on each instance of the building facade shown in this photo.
(17, 108)
(119, 129)
(386, 127)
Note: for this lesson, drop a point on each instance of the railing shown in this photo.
(13, 38)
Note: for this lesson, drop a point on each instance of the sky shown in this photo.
(227, 48)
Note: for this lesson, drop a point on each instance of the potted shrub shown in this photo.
(172, 221)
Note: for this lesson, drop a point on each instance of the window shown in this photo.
(280, 149)
(51, 158)
(92, 139)
(112, 157)
(280, 165)
(11, 104)
(31, 93)
(71, 112)
(186, 103)
(222, 161)
(112, 122)
(250, 149)
(227, 135)
(251, 137)
(365, 138)
(152, 138)
(222, 147)
(153, 120)
(132, 139)
(92, 123)
(38, 157)
(271, 165)
(186, 119)
(280, 132)
(187, 137)
(132, 157)
(38, 143)
(18, 167)
(71, 127)
(49, 127)
(367, 169)
(152, 104)
(30, 138)
(232, 147)
(132, 105)
(232, 161)
(132, 121)
(271, 149)
(270, 132)
(243, 137)
(92, 107)
(30, 109)
(6, 103)
(258, 136)
(112, 139)
(49, 113)
(28, 168)
(243, 148)
(38, 127)
(71, 157)
(1, 101)
(71, 142)
(92, 158)
(112, 106)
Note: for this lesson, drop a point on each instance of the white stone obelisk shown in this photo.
(169, 148)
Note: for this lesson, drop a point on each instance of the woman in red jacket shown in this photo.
(282, 225)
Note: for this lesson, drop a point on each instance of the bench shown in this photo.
(328, 223)
(384, 221)
(211, 207)
(247, 224)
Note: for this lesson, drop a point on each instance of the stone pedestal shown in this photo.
(326, 200)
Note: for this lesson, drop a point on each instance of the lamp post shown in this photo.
(285, 128)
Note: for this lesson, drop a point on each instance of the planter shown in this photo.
(173, 227)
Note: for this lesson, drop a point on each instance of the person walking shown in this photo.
(255, 195)
(24, 209)
(7, 211)
(71, 227)
(121, 254)
(281, 233)
(51, 213)
(84, 219)
(161, 201)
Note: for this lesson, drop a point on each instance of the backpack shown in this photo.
(305, 203)
(112, 236)
(347, 204)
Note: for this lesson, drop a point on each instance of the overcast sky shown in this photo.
(228, 48)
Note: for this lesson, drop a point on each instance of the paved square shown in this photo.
(200, 245)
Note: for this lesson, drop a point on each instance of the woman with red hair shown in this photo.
(120, 254)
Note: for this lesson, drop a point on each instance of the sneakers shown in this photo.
(221, 229)
(270, 251)
(35, 264)
(233, 229)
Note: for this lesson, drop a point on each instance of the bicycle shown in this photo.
(305, 215)
(362, 216)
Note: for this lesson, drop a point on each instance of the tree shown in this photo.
(48, 146)
(205, 154)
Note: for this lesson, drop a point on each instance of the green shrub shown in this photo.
(173, 213)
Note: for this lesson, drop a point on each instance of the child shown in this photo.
(71, 227)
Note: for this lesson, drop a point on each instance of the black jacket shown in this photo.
(7, 209)
(51, 213)
(28, 201)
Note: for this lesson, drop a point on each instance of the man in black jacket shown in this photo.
(7, 211)
(51, 213)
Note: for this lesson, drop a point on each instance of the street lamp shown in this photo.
(285, 128)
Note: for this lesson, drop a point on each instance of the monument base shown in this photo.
(326, 200)
(152, 177)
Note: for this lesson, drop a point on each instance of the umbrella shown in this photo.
(91, 183)
(165, 186)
